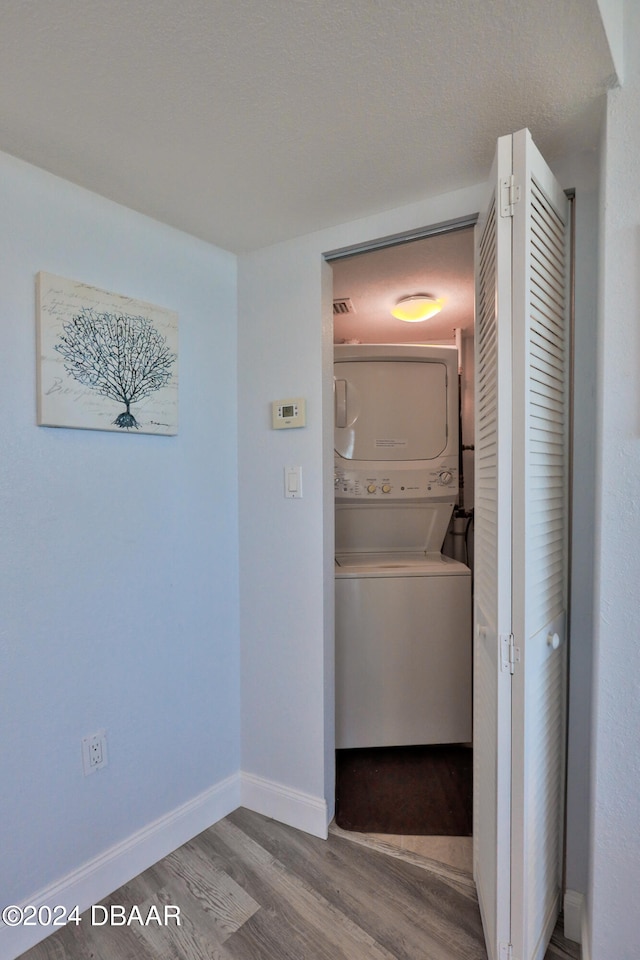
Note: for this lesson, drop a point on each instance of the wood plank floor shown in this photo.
(249, 888)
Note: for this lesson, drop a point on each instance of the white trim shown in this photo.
(300, 810)
(573, 907)
(586, 936)
(109, 870)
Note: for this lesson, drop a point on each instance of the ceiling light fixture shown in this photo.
(416, 308)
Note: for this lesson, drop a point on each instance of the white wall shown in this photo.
(615, 828)
(612, 16)
(281, 540)
(119, 554)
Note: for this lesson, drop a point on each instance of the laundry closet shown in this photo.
(403, 457)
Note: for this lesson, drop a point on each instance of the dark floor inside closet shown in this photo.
(417, 790)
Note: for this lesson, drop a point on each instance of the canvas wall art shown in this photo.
(105, 361)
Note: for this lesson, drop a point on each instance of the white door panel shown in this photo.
(521, 552)
(540, 448)
(492, 544)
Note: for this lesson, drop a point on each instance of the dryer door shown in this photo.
(391, 409)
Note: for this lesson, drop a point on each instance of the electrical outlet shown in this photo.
(94, 752)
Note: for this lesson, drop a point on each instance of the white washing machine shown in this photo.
(403, 610)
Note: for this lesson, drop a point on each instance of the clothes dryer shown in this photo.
(403, 610)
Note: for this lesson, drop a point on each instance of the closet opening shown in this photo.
(404, 497)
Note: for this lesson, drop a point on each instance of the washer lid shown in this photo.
(398, 565)
(405, 527)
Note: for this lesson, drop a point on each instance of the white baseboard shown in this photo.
(300, 810)
(573, 908)
(108, 871)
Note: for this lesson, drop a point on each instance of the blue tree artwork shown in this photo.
(121, 357)
(105, 360)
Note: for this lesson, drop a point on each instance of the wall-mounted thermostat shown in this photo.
(288, 413)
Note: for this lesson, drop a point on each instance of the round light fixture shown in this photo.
(417, 308)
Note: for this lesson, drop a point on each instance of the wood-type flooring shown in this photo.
(249, 888)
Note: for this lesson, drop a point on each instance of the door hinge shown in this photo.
(506, 951)
(510, 653)
(509, 195)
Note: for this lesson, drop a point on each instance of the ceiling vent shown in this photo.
(342, 306)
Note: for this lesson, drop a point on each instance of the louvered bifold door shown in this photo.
(492, 593)
(539, 557)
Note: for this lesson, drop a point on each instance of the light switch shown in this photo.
(293, 482)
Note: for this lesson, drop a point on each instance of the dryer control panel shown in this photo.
(435, 481)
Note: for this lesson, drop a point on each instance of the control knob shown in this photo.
(386, 488)
(445, 477)
(371, 488)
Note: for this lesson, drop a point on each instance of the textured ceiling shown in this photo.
(249, 121)
(440, 265)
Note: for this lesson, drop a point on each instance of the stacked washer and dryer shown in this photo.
(403, 609)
